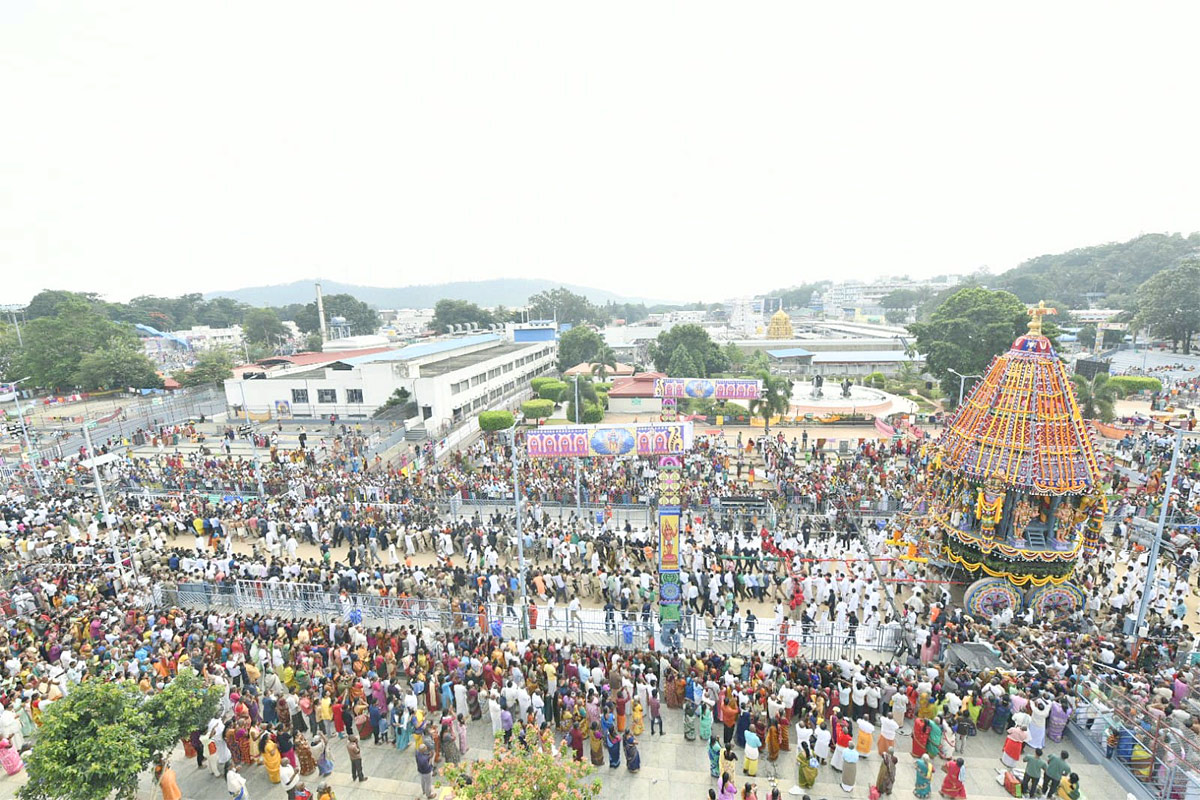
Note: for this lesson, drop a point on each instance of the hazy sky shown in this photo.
(674, 150)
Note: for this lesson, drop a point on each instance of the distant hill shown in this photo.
(1112, 270)
(504, 291)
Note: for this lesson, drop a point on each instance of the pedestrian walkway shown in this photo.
(670, 764)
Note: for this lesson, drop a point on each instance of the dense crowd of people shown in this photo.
(299, 694)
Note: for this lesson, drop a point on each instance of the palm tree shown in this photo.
(776, 398)
(1095, 396)
(605, 358)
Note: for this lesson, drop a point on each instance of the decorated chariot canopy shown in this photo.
(1021, 424)
(1014, 489)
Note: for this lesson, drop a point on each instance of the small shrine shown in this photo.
(780, 326)
(1015, 494)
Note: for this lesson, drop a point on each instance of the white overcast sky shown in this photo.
(673, 150)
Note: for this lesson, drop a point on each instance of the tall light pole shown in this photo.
(962, 379)
(112, 541)
(37, 473)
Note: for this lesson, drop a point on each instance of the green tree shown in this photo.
(899, 303)
(776, 399)
(1087, 336)
(564, 306)
(91, 746)
(579, 345)
(116, 365)
(49, 302)
(628, 312)
(798, 296)
(492, 421)
(219, 312)
(55, 346)
(184, 705)
(1169, 304)
(262, 326)
(1095, 396)
(704, 353)
(585, 390)
(554, 392)
(95, 742)
(966, 331)
(459, 312)
(361, 318)
(212, 366)
(604, 362)
(734, 355)
(537, 409)
(312, 342)
(681, 364)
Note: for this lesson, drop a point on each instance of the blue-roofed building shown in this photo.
(448, 380)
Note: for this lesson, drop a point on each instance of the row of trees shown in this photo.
(260, 325)
(76, 347)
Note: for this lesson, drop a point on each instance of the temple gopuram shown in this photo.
(1013, 491)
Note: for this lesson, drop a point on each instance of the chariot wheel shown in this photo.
(987, 597)
(1050, 601)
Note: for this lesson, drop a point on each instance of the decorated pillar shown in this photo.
(669, 515)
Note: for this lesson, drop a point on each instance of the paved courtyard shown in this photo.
(670, 764)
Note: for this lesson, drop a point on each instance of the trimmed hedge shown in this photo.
(537, 409)
(495, 420)
(537, 383)
(553, 391)
(1132, 384)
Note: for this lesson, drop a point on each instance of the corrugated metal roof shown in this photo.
(421, 350)
(789, 352)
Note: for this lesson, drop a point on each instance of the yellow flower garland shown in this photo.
(1016, 580)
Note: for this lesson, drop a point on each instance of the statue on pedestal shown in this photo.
(817, 383)
(846, 384)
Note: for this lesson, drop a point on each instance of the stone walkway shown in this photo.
(667, 761)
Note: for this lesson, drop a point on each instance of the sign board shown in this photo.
(709, 388)
(609, 441)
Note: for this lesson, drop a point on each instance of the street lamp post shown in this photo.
(37, 473)
(962, 379)
(111, 536)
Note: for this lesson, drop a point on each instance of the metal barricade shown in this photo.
(1161, 758)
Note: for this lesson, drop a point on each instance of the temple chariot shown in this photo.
(1013, 490)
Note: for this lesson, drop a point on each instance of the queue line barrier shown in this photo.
(588, 627)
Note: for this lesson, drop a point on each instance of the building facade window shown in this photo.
(326, 395)
(354, 396)
(299, 396)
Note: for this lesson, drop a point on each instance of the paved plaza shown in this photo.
(670, 764)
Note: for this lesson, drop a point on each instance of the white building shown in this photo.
(448, 379)
(202, 337)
